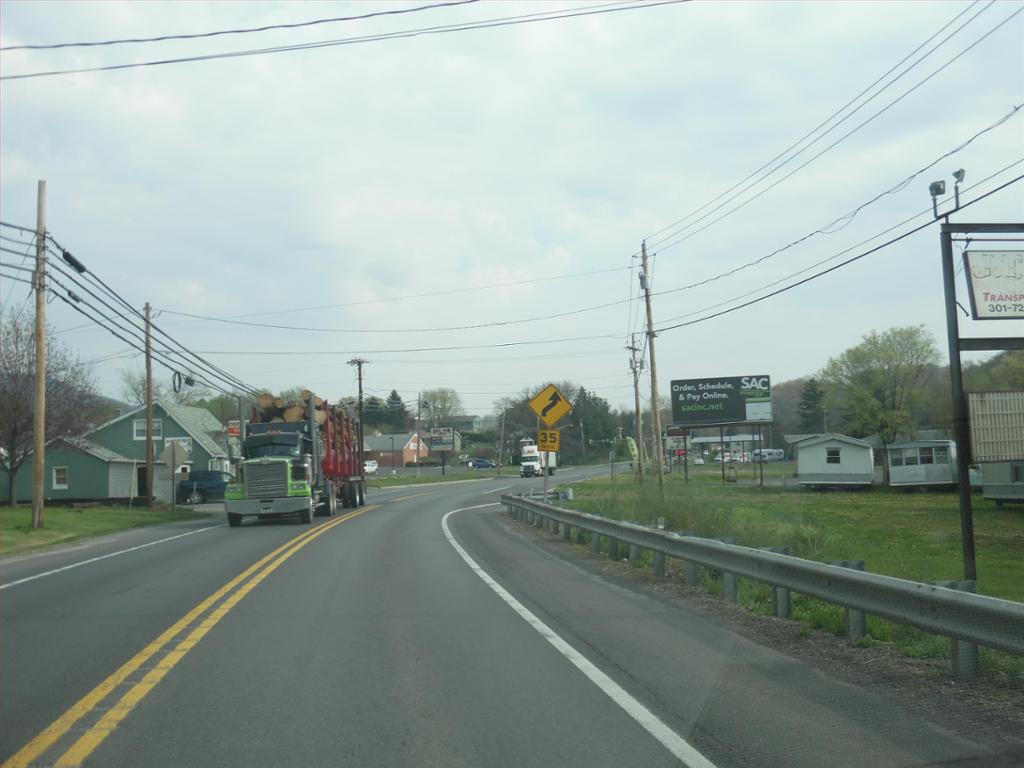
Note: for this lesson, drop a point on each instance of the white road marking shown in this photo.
(495, 490)
(104, 557)
(650, 722)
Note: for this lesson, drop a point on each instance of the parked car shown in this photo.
(370, 466)
(203, 485)
(481, 464)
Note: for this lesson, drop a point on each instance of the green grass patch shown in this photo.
(390, 481)
(914, 536)
(65, 524)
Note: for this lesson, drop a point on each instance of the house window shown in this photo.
(942, 455)
(831, 455)
(897, 459)
(60, 478)
(1017, 473)
(140, 429)
(910, 457)
(926, 456)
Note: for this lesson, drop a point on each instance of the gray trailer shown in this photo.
(997, 441)
(922, 464)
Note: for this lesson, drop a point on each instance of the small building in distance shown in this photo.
(832, 460)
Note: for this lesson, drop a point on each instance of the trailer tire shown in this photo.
(360, 495)
(332, 501)
(306, 515)
(234, 520)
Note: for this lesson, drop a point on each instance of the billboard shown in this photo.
(442, 439)
(727, 400)
(995, 281)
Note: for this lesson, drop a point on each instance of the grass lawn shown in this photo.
(910, 535)
(64, 524)
(389, 481)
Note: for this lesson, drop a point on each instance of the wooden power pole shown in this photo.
(39, 416)
(358, 362)
(645, 281)
(149, 414)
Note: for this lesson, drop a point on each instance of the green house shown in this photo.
(109, 461)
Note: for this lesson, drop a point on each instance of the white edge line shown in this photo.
(503, 488)
(650, 722)
(104, 557)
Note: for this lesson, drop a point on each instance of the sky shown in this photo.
(396, 191)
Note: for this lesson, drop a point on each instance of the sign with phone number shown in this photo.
(996, 284)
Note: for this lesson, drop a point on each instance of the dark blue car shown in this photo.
(203, 485)
(481, 464)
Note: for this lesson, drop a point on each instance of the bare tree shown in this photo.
(439, 405)
(70, 394)
(133, 389)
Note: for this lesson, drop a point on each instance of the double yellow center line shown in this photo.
(225, 598)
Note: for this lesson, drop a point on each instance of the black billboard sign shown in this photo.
(729, 400)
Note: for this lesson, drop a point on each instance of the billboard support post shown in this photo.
(721, 451)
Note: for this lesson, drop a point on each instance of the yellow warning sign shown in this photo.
(549, 440)
(550, 405)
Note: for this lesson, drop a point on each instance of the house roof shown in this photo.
(383, 442)
(830, 436)
(920, 443)
(197, 422)
(799, 437)
(95, 449)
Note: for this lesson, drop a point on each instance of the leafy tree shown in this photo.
(439, 405)
(70, 395)
(879, 382)
(811, 407)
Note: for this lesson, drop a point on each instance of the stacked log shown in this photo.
(270, 408)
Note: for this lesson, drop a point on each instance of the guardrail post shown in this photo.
(965, 657)
(613, 548)
(538, 521)
(782, 598)
(566, 532)
(856, 621)
(730, 584)
(634, 553)
(595, 543)
(659, 563)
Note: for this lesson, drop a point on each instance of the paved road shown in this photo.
(370, 640)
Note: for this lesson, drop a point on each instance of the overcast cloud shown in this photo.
(349, 174)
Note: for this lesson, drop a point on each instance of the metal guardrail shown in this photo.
(963, 616)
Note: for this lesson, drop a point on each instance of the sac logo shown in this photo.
(754, 382)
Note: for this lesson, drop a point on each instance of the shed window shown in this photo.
(831, 455)
(140, 429)
(60, 478)
(897, 458)
(910, 456)
(926, 456)
(1017, 473)
(942, 455)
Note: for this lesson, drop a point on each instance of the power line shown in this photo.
(838, 141)
(428, 294)
(848, 218)
(26, 230)
(826, 121)
(926, 211)
(242, 31)
(836, 266)
(482, 24)
(132, 326)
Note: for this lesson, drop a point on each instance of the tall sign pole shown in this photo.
(635, 366)
(655, 410)
(39, 415)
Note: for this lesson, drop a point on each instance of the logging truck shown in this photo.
(301, 463)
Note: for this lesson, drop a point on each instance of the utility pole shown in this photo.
(645, 282)
(419, 408)
(635, 366)
(501, 442)
(39, 415)
(358, 362)
(149, 414)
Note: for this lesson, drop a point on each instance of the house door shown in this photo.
(140, 478)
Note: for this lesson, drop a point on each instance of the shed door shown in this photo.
(119, 481)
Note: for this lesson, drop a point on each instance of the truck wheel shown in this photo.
(332, 501)
(360, 495)
(195, 496)
(234, 520)
(306, 515)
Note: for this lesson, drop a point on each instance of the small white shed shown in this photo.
(834, 460)
(923, 464)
